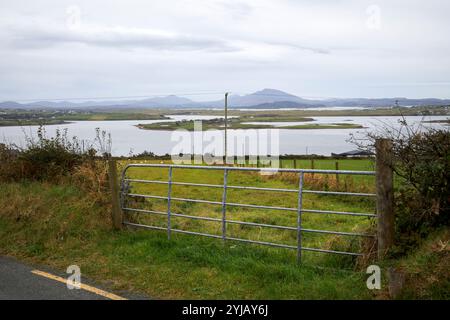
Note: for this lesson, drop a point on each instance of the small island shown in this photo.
(245, 123)
(19, 117)
(445, 122)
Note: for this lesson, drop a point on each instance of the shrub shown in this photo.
(10, 168)
(48, 158)
(51, 158)
(421, 162)
(423, 193)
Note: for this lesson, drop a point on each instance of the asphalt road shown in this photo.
(21, 282)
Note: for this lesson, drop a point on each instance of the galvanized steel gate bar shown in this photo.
(125, 182)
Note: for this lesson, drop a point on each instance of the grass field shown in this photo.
(59, 225)
(256, 215)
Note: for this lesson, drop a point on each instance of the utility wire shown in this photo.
(125, 97)
(161, 95)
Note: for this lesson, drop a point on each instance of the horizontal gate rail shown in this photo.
(250, 223)
(243, 240)
(275, 170)
(251, 205)
(253, 188)
(224, 203)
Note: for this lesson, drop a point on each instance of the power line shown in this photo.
(125, 97)
(161, 95)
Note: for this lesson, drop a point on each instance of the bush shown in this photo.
(50, 158)
(10, 168)
(421, 162)
(423, 193)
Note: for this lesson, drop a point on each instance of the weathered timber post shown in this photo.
(312, 167)
(385, 196)
(114, 188)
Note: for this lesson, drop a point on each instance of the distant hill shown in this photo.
(10, 105)
(168, 101)
(286, 104)
(385, 102)
(266, 98)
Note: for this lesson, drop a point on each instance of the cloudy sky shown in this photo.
(327, 48)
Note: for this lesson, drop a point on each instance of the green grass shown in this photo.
(60, 225)
(426, 269)
(284, 218)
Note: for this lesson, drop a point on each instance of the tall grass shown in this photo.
(254, 215)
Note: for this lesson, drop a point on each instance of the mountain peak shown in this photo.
(269, 91)
(265, 98)
(266, 95)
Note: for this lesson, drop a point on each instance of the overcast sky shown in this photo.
(327, 48)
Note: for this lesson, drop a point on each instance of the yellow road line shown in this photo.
(85, 287)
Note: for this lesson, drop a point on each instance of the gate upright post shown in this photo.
(385, 196)
(116, 213)
(224, 205)
(299, 218)
(169, 194)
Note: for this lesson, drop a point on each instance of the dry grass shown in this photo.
(325, 182)
(92, 177)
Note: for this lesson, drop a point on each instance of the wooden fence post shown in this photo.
(385, 196)
(114, 188)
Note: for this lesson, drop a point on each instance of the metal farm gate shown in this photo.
(300, 191)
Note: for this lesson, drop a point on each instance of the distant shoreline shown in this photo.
(19, 117)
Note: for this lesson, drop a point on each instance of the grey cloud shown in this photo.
(302, 47)
(35, 37)
(306, 47)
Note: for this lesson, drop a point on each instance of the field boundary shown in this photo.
(126, 182)
(384, 201)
